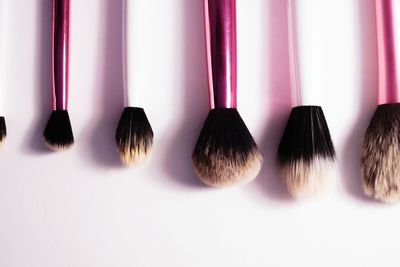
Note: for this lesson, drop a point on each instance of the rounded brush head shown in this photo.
(225, 153)
(305, 152)
(3, 130)
(58, 134)
(380, 158)
(134, 136)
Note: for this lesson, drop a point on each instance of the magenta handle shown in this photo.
(388, 28)
(60, 53)
(220, 24)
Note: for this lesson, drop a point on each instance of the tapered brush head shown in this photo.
(58, 134)
(225, 153)
(134, 136)
(3, 130)
(380, 158)
(305, 152)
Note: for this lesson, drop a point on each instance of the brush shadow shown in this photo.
(276, 84)
(110, 94)
(194, 97)
(351, 156)
(43, 85)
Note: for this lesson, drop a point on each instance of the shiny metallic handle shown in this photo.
(220, 24)
(388, 27)
(60, 53)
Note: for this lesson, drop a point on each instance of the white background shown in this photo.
(81, 208)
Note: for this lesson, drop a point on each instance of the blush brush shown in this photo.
(134, 135)
(3, 43)
(58, 132)
(380, 157)
(225, 153)
(305, 153)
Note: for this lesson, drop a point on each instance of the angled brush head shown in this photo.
(305, 152)
(3, 130)
(134, 136)
(58, 134)
(225, 153)
(380, 158)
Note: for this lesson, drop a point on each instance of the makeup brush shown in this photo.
(58, 132)
(134, 135)
(3, 42)
(381, 146)
(305, 152)
(225, 153)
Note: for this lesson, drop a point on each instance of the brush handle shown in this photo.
(293, 60)
(128, 53)
(220, 26)
(388, 29)
(133, 49)
(60, 53)
(3, 48)
(304, 18)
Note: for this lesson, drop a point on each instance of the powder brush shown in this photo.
(381, 146)
(305, 153)
(225, 153)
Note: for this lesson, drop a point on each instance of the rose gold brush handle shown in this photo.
(388, 28)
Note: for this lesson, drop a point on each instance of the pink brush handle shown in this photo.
(60, 53)
(388, 27)
(220, 24)
(293, 60)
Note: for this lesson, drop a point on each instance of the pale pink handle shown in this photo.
(293, 59)
(388, 27)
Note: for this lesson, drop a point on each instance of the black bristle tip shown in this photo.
(3, 130)
(380, 158)
(58, 132)
(225, 153)
(305, 137)
(134, 136)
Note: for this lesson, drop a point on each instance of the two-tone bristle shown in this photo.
(58, 134)
(380, 157)
(134, 136)
(3, 130)
(305, 152)
(225, 153)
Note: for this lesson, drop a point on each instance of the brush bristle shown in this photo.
(58, 134)
(225, 153)
(134, 136)
(3, 130)
(306, 152)
(380, 159)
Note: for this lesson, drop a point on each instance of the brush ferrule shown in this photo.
(60, 53)
(388, 28)
(220, 25)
